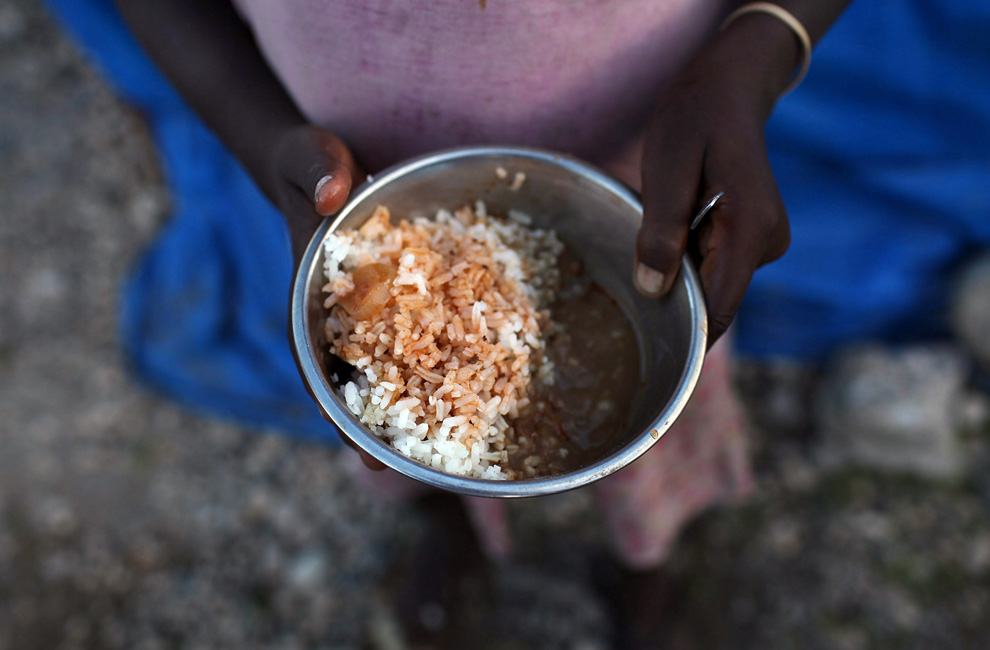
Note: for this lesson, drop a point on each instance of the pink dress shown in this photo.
(395, 79)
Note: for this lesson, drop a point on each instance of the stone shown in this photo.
(971, 309)
(785, 537)
(13, 23)
(308, 570)
(895, 409)
(57, 518)
(977, 557)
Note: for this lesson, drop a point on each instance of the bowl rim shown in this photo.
(356, 431)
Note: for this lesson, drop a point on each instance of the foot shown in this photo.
(646, 607)
(443, 595)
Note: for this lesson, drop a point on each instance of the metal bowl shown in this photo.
(596, 217)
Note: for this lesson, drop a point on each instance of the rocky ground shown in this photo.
(126, 522)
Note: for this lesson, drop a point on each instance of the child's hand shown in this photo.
(312, 175)
(707, 137)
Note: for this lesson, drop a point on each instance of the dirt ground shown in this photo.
(126, 522)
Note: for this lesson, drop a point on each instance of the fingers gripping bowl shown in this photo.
(596, 218)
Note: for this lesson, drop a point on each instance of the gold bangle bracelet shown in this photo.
(788, 19)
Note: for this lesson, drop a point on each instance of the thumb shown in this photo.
(320, 165)
(672, 178)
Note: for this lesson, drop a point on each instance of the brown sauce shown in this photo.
(572, 422)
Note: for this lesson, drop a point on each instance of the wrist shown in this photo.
(762, 53)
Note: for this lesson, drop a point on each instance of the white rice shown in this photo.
(454, 352)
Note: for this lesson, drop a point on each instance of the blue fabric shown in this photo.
(883, 158)
(205, 310)
(882, 155)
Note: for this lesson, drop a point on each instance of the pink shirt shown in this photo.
(397, 78)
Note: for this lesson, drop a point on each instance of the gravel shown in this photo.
(900, 409)
(126, 522)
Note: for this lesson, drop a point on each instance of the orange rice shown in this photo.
(452, 355)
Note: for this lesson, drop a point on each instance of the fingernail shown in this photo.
(319, 186)
(648, 281)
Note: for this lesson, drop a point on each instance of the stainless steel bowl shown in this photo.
(596, 217)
